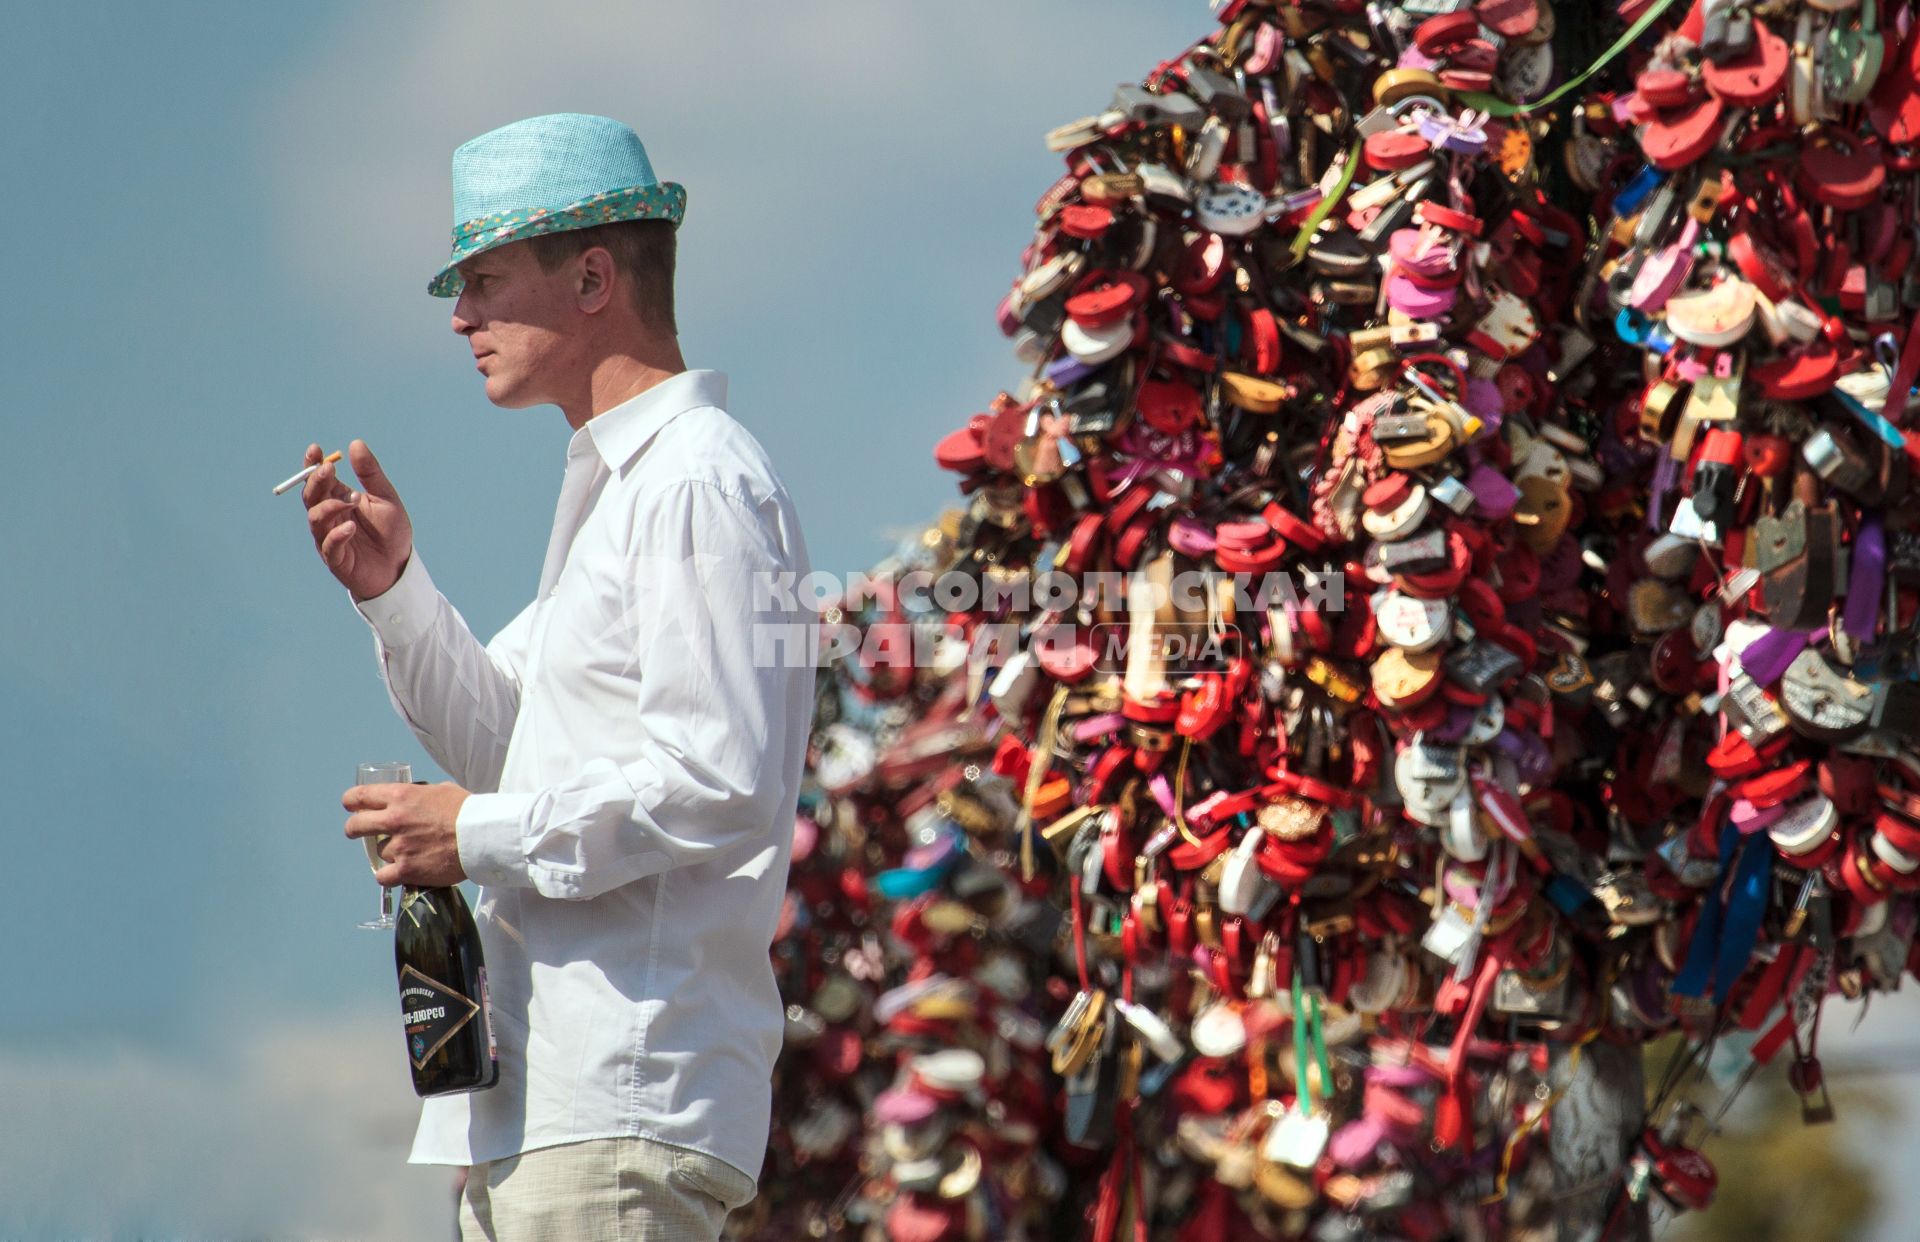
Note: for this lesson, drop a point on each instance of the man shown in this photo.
(627, 751)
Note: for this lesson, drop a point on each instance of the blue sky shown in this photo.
(237, 208)
(224, 217)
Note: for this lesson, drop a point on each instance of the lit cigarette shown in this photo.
(300, 478)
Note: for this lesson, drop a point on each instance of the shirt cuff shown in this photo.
(406, 610)
(490, 834)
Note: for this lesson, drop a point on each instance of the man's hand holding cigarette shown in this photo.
(364, 537)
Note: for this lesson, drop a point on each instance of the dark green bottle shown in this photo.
(444, 1005)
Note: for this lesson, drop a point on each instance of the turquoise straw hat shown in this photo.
(548, 174)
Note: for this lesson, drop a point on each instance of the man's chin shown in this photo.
(505, 395)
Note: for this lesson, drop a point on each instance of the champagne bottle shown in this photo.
(443, 994)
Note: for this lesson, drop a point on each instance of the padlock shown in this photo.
(1305, 353)
(1797, 554)
(1296, 1140)
(1686, 1177)
(1809, 1083)
(1823, 703)
(1839, 460)
(1715, 472)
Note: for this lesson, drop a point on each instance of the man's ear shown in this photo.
(596, 279)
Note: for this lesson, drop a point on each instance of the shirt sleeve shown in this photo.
(713, 702)
(459, 697)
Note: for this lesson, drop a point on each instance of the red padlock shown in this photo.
(1686, 1176)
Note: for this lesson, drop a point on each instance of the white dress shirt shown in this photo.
(634, 751)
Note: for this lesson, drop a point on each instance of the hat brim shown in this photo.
(665, 201)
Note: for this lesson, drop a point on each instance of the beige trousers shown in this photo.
(613, 1188)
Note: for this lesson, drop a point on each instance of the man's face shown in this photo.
(522, 323)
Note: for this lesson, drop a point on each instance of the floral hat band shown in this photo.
(549, 174)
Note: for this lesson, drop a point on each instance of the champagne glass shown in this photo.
(381, 774)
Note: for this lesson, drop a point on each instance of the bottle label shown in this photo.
(486, 1016)
(432, 1014)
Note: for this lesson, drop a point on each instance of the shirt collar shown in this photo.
(620, 433)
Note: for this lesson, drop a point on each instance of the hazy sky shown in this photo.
(223, 219)
(226, 216)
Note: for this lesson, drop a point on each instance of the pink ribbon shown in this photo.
(1152, 451)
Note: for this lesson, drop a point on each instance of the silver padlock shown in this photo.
(1821, 702)
(1513, 997)
(1296, 1139)
(1753, 712)
(1628, 898)
(1449, 936)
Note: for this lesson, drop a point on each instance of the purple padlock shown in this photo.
(1455, 727)
(1416, 302)
(1530, 755)
(1421, 254)
(1068, 370)
(1494, 495)
(1448, 133)
(1484, 402)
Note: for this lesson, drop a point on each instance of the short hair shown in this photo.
(642, 249)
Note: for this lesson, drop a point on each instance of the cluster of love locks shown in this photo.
(1442, 600)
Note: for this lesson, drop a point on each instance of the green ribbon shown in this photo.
(1307, 1030)
(1326, 205)
(1499, 107)
(1320, 1045)
(1302, 1088)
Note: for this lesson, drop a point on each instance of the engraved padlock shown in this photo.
(1823, 703)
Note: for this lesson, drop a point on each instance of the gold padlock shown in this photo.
(1438, 442)
(1715, 398)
